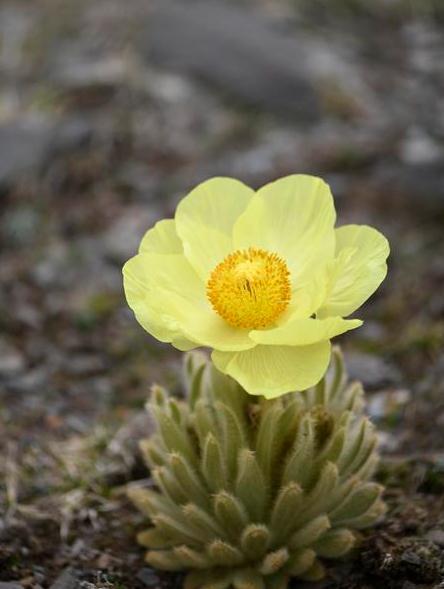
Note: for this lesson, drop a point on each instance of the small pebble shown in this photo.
(373, 371)
(68, 579)
(148, 577)
(411, 558)
(436, 536)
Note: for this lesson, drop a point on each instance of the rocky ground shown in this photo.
(109, 113)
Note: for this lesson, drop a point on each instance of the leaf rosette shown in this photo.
(252, 492)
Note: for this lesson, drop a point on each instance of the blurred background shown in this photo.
(110, 112)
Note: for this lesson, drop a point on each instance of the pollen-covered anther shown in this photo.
(250, 288)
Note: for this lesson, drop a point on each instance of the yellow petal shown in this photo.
(169, 301)
(140, 291)
(304, 332)
(306, 297)
(184, 345)
(161, 239)
(359, 268)
(272, 371)
(294, 217)
(151, 316)
(211, 331)
(205, 219)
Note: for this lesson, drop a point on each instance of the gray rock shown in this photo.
(84, 364)
(24, 147)
(235, 50)
(374, 372)
(148, 577)
(32, 381)
(15, 24)
(10, 585)
(136, 178)
(437, 536)
(12, 361)
(408, 585)
(411, 558)
(388, 403)
(122, 239)
(28, 144)
(75, 67)
(72, 133)
(68, 579)
(420, 148)
(418, 185)
(19, 225)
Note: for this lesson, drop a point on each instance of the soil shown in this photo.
(101, 133)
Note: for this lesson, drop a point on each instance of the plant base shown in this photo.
(251, 492)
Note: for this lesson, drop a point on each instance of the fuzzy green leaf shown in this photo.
(369, 464)
(250, 485)
(224, 554)
(334, 447)
(335, 543)
(228, 392)
(301, 561)
(159, 396)
(192, 559)
(230, 513)
(277, 581)
(213, 465)
(315, 573)
(233, 437)
(298, 467)
(321, 393)
(274, 561)
(177, 530)
(169, 485)
(248, 579)
(255, 540)
(189, 480)
(362, 464)
(177, 412)
(360, 501)
(210, 579)
(368, 518)
(355, 436)
(153, 539)
(310, 532)
(340, 494)
(195, 366)
(164, 560)
(358, 451)
(269, 441)
(336, 377)
(292, 410)
(355, 395)
(150, 502)
(289, 502)
(316, 500)
(175, 438)
(205, 422)
(203, 522)
(152, 452)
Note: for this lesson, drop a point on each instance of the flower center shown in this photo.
(250, 288)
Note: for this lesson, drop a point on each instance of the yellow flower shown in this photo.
(261, 277)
